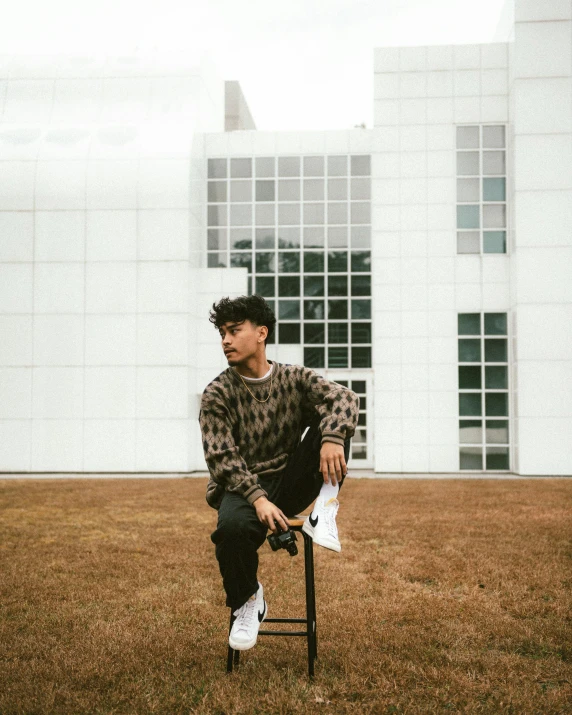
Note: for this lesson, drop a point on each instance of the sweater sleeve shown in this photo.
(338, 406)
(226, 465)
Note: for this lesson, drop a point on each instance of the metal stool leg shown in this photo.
(310, 602)
(233, 656)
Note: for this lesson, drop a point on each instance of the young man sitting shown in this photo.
(252, 418)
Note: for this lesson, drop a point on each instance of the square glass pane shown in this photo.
(240, 214)
(249, 291)
(337, 189)
(496, 377)
(493, 137)
(337, 285)
(314, 333)
(467, 163)
(496, 432)
(495, 350)
(361, 261)
(313, 166)
(494, 162)
(314, 237)
(216, 239)
(337, 309)
(265, 214)
(494, 189)
(216, 191)
(469, 323)
(288, 214)
(337, 262)
(361, 333)
(241, 239)
(241, 260)
(496, 404)
(470, 403)
(217, 168)
(289, 237)
(313, 285)
(314, 310)
(470, 377)
(264, 166)
(289, 309)
(314, 213)
(497, 458)
(361, 236)
(468, 216)
(467, 190)
(265, 238)
(359, 387)
(494, 215)
(360, 165)
(361, 418)
(361, 285)
(265, 190)
(468, 137)
(361, 357)
(265, 286)
(338, 213)
(337, 165)
(337, 357)
(288, 190)
(468, 242)
(470, 431)
(337, 332)
(289, 333)
(494, 242)
(216, 260)
(359, 451)
(337, 236)
(359, 436)
(314, 357)
(361, 309)
(288, 262)
(313, 189)
(288, 166)
(265, 263)
(361, 190)
(240, 190)
(360, 212)
(241, 168)
(313, 262)
(217, 215)
(495, 324)
(469, 350)
(470, 458)
(289, 285)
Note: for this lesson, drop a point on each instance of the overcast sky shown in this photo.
(302, 64)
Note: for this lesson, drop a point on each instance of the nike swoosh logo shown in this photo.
(261, 615)
(312, 521)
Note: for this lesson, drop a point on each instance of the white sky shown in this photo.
(302, 64)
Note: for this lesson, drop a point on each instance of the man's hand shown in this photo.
(332, 462)
(268, 513)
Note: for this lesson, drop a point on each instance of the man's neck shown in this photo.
(256, 366)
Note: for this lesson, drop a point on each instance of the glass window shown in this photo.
(289, 285)
(468, 242)
(338, 213)
(217, 215)
(495, 350)
(240, 214)
(216, 191)
(361, 285)
(470, 403)
(468, 137)
(360, 189)
(288, 262)
(496, 431)
(496, 404)
(337, 165)
(493, 136)
(337, 189)
(288, 190)
(337, 236)
(361, 309)
(495, 324)
(494, 162)
(265, 214)
(337, 285)
(361, 357)
(217, 168)
(337, 309)
(264, 166)
(496, 377)
(313, 309)
(337, 262)
(361, 261)
(216, 238)
(265, 238)
(469, 350)
(358, 386)
(313, 262)
(494, 215)
(241, 191)
(241, 260)
(216, 260)
(468, 216)
(265, 286)
(494, 189)
(265, 262)
(361, 332)
(314, 357)
(289, 333)
(360, 165)
(467, 190)
(241, 239)
(289, 309)
(497, 458)
(361, 236)
(337, 357)
(241, 168)
(471, 458)
(265, 191)
(313, 285)
(471, 431)
(313, 166)
(313, 190)
(314, 237)
(337, 332)
(360, 212)
(494, 242)
(314, 333)
(288, 214)
(467, 163)
(469, 323)
(314, 213)
(289, 237)
(289, 166)
(470, 377)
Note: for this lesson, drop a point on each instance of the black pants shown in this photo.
(239, 533)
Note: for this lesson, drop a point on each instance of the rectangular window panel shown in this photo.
(314, 310)
(265, 263)
(241, 168)
(313, 190)
(241, 239)
(361, 332)
(216, 191)
(314, 357)
(337, 236)
(289, 237)
(494, 189)
(494, 216)
(264, 166)
(217, 168)
(313, 262)
(265, 214)
(468, 137)
(242, 260)
(338, 285)
(216, 260)
(361, 285)
(313, 285)
(337, 309)
(469, 323)
(361, 357)
(288, 166)
(314, 166)
(360, 190)
(470, 377)
(337, 357)
(495, 350)
(493, 136)
(314, 213)
(337, 165)
(359, 387)
(470, 404)
(497, 431)
(241, 191)
(497, 458)
(217, 215)
(314, 333)
(289, 190)
(359, 436)
(494, 162)
(361, 236)
(265, 238)
(289, 333)
(469, 350)
(338, 213)
(361, 418)
(496, 377)
(314, 237)
(361, 262)
(468, 242)
(289, 285)
(494, 242)
(337, 262)
(240, 215)
(265, 191)
(467, 190)
(496, 404)
(359, 451)
(360, 212)
(289, 309)
(288, 262)
(360, 165)
(471, 458)
(265, 286)
(470, 431)
(216, 239)
(468, 216)
(337, 189)
(361, 309)
(337, 332)
(288, 214)
(467, 163)
(495, 324)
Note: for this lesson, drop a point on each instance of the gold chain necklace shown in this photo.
(256, 398)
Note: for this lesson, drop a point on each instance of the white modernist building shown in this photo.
(425, 261)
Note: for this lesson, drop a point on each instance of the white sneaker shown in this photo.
(249, 616)
(321, 523)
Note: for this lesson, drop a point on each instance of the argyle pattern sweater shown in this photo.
(244, 439)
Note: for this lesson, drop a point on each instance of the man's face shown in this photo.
(241, 340)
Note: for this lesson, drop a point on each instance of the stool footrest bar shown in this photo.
(285, 620)
(283, 633)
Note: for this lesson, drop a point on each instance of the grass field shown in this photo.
(448, 596)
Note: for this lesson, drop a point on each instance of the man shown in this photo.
(252, 418)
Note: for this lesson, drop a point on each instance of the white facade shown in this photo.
(104, 284)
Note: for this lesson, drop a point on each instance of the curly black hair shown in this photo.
(245, 307)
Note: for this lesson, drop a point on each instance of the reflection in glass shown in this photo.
(314, 213)
(288, 214)
(289, 166)
(495, 324)
(468, 137)
(361, 261)
(494, 242)
(289, 237)
(216, 191)
(337, 285)
(497, 458)
(470, 403)
(241, 260)
(265, 214)
(337, 189)
(467, 190)
(289, 309)
(471, 458)
(360, 189)
(241, 190)
(265, 286)
(470, 377)
(468, 242)
(496, 377)
(471, 431)
(469, 350)
(217, 168)
(289, 333)
(288, 190)
(361, 332)
(338, 332)
(494, 162)
(265, 238)
(216, 260)
(468, 216)
(216, 239)
(359, 451)
(313, 262)
(240, 214)
(313, 190)
(361, 309)
(337, 357)
(358, 386)
(265, 191)
(314, 309)
(494, 189)
(289, 285)
(337, 213)
(361, 357)
(313, 166)
(496, 431)
(289, 262)
(360, 212)
(467, 163)
(495, 350)
(337, 165)
(494, 215)
(265, 262)
(216, 215)
(241, 239)
(313, 285)
(314, 357)
(240, 168)
(337, 236)
(337, 262)
(361, 285)
(496, 404)
(264, 166)
(337, 309)
(314, 333)
(361, 236)
(469, 323)
(493, 136)
(360, 165)
(314, 237)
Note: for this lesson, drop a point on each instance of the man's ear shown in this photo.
(262, 333)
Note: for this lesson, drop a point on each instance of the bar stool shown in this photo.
(310, 633)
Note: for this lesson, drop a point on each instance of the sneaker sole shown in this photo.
(332, 545)
(249, 644)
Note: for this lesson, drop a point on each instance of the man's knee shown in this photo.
(237, 529)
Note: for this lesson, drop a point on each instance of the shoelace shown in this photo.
(244, 614)
(330, 514)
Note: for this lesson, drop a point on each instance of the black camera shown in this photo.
(284, 540)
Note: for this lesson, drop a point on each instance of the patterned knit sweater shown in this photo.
(244, 439)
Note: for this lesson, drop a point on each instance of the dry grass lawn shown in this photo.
(448, 596)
